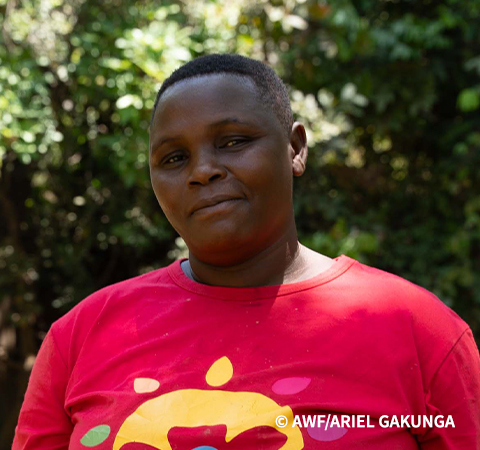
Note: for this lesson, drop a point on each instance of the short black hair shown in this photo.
(272, 90)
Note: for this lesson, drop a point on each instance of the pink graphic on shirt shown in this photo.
(289, 386)
(331, 433)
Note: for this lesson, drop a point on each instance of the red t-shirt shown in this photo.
(162, 362)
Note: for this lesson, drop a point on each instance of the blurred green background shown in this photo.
(388, 89)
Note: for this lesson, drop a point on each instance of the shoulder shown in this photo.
(118, 297)
(397, 300)
(402, 315)
(391, 294)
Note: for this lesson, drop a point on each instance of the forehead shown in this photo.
(201, 98)
(220, 83)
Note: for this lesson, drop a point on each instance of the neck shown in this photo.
(281, 263)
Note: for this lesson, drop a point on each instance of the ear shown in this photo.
(298, 148)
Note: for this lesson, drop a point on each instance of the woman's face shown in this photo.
(221, 168)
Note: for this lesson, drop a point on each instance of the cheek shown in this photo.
(273, 178)
(170, 212)
(165, 193)
(171, 201)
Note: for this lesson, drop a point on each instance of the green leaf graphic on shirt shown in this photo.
(95, 436)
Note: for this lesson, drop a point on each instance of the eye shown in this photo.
(234, 143)
(174, 159)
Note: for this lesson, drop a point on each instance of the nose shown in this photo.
(205, 167)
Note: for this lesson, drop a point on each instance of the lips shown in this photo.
(212, 201)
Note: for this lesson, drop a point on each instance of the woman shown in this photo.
(254, 341)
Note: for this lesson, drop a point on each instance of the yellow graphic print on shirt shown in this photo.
(238, 411)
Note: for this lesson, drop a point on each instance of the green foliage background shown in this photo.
(389, 91)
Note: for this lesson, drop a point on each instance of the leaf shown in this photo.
(468, 100)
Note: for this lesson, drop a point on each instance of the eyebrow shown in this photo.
(219, 124)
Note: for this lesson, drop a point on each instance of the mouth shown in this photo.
(214, 204)
(218, 207)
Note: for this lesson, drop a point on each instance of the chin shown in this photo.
(220, 249)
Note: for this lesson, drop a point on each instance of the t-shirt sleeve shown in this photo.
(43, 422)
(455, 390)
